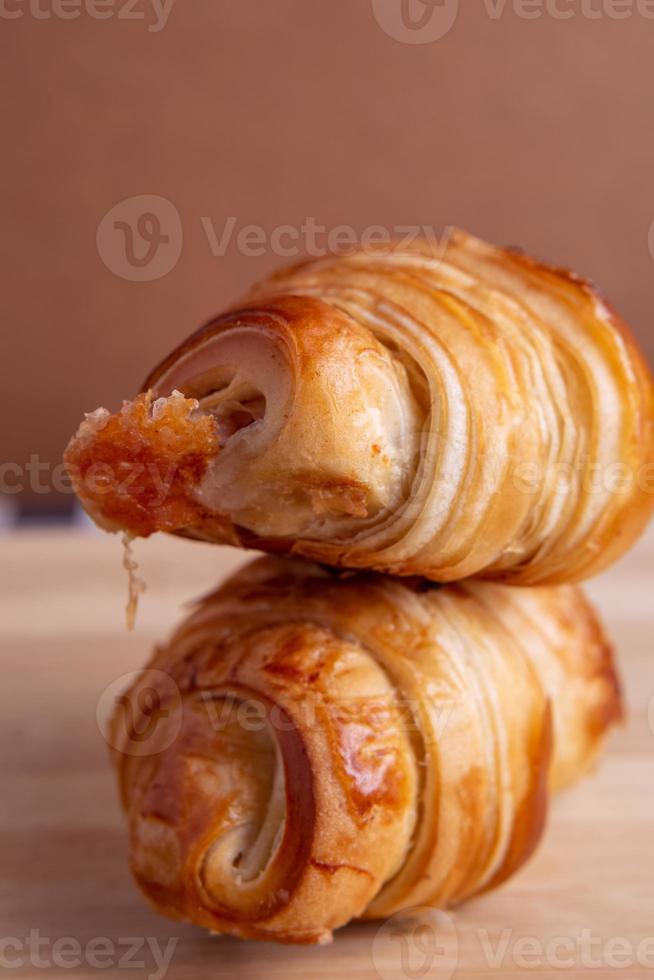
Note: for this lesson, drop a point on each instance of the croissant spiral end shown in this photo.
(338, 749)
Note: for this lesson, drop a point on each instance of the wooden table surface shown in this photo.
(584, 906)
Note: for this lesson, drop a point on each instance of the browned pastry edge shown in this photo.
(382, 808)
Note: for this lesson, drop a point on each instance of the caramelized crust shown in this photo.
(339, 747)
(137, 470)
(453, 413)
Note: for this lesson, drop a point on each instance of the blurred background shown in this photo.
(159, 156)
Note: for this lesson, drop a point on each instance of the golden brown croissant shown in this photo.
(469, 413)
(323, 748)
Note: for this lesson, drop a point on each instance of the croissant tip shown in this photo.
(136, 470)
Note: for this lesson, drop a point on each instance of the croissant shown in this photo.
(323, 747)
(473, 412)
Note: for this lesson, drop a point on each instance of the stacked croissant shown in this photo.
(374, 716)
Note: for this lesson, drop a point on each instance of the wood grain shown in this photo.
(62, 846)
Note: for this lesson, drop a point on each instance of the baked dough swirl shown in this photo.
(347, 745)
(467, 413)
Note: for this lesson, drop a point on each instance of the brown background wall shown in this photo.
(526, 131)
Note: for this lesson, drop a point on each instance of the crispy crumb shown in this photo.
(137, 470)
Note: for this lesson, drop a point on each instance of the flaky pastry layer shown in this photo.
(328, 747)
(453, 413)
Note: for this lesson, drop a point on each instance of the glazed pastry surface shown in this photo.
(466, 412)
(334, 746)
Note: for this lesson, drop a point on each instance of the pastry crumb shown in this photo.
(137, 471)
